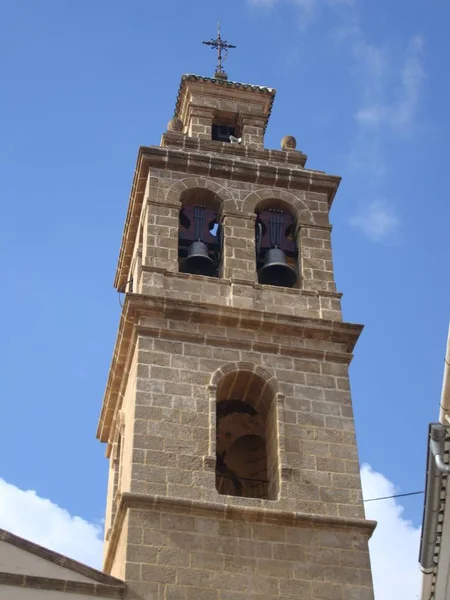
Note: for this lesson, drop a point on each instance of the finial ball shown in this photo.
(288, 142)
(175, 124)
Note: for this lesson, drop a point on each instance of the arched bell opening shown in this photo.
(276, 249)
(200, 233)
(246, 437)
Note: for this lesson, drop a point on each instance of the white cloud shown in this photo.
(41, 521)
(371, 116)
(394, 547)
(264, 3)
(390, 96)
(308, 8)
(412, 76)
(391, 88)
(308, 4)
(390, 82)
(377, 220)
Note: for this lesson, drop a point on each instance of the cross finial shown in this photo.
(219, 44)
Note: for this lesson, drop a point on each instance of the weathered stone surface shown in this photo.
(188, 342)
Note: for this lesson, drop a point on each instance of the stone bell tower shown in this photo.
(227, 414)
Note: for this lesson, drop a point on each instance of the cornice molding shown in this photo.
(175, 139)
(213, 164)
(248, 514)
(137, 305)
(65, 586)
(197, 85)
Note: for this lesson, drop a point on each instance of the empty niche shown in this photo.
(246, 437)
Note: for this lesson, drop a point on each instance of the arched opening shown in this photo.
(200, 233)
(246, 437)
(276, 248)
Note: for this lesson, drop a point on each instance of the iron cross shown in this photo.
(219, 44)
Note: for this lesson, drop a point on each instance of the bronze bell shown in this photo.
(276, 270)
(198, 261)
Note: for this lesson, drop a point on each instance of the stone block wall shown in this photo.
(314, 294)
(172, 436)
(178, 553)
(245, 109)
(170, 417)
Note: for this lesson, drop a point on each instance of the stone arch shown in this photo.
(245, 366)
(277, 235)
(262, 198)
(244, 406)
(201, 203)
(174, 193)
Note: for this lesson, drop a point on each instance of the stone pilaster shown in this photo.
(316, 264)
(252, 130)
(239, 247)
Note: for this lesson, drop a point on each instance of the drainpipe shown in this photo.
(435, 467)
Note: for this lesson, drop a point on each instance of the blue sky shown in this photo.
(362, 86)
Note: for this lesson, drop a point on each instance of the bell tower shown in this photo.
(227, 417)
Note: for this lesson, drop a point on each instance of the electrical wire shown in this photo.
(394, 496)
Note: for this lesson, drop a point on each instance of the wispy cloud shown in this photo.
(389, 104)
(390, 81)
(391, 89)
(412, 76)
(303, 4)
(308, 8)
(376, 220)
(390, 86)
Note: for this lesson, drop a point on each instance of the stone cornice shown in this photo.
(246, 93)
(64, 586)
(137, 305)
(254, 514)
(118, 372)
(236, 168)
(251, 284)
(174, 139)
(231, 167)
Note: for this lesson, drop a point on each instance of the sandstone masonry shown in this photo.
(188, 344)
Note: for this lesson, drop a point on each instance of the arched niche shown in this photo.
(290, 201)
(247, 448)
(199, 236)
(275, 243)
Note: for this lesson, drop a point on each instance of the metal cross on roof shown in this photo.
(219, 44)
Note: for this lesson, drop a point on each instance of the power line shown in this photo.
(394, 496)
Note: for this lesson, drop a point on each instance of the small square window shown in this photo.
(221, 133)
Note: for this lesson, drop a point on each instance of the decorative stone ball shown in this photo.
(288, 142)
(175, 124)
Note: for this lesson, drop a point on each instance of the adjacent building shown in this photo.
(434, 556)
(30, 572)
